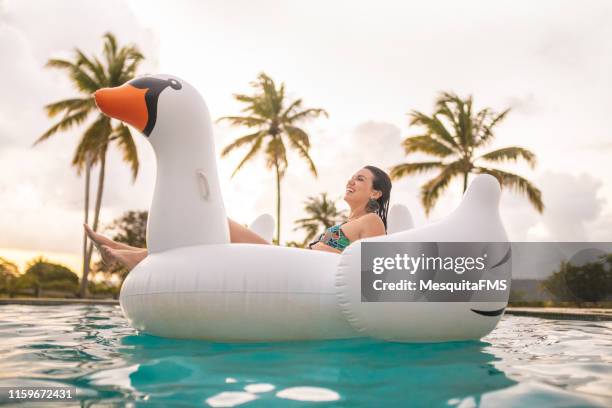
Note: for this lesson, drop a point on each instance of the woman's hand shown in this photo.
(319, 246)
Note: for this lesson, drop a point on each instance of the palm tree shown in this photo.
(322, 214)
(119, 65)
(273, 118)
(453, 134)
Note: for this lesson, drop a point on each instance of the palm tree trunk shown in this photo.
(278, 197)
(83, 291)
(87, 178)
(465, 181)
(278, 202)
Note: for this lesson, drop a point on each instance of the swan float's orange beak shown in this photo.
(135, 102)
(125, 103)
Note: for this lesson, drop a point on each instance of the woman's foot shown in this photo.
(126, 257)
(99, 239)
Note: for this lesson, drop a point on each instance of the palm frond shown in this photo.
(516, 183)
(252, 138)
(479, 125)
(69, 105)
(255, 106)
(247, 121)
(431, 191)
(254, 149)
(124, 65)
(66, 123)
(464, 107)
(125, 140)
(298, 134)
(78, 77)
(405, 169)
(93, 143)
(446, 112)
(426, 144)
(95, 67)
(297, 137)
(293, 105)
(486, 133)
(110, 48)
(307, 113)
(129, 72)
(310, 226)
(276, 155)
(247, 99)
(513, 153)
(322, 214)
(60, 64)
(83, 81)
(435, 128)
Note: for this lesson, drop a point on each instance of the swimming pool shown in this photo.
(525, 362)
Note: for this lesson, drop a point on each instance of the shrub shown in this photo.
(41, 274)
(590, 282)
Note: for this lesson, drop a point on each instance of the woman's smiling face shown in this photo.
(359, 188)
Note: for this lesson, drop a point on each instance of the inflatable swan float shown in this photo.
(196, 284)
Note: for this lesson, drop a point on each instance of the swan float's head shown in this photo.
(159, 106)
(187, 207)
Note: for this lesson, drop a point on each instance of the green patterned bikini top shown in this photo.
(334, 237)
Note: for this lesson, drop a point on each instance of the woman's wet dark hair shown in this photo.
(382, 183)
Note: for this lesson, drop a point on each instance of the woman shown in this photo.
(367, 194)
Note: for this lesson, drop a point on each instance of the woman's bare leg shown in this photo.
(129, 256)
(126, 257)
(102, 240)
(239, 234)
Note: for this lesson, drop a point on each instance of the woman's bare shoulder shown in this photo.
(371, 225)
(371, 218)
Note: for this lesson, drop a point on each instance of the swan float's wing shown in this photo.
(399, 219)
(263, 226)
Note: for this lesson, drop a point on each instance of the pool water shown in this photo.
(524, 362)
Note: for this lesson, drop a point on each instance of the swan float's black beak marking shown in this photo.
(154, 87)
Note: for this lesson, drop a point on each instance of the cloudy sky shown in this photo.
(550, 61)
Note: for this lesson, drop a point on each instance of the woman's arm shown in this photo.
(320, 246)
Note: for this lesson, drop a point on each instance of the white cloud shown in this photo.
(573, 202)
(574, 210)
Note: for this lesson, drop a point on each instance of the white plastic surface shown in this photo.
(399, 219)
(263, 226)
(236, 292)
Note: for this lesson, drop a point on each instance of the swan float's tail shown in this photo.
(476, 220)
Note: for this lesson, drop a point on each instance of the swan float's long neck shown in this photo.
(187, 207)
